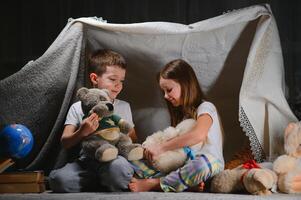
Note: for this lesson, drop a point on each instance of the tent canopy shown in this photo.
(237, 58)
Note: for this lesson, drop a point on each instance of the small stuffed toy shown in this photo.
(171, 160)
(288, 167)
(248, 177)
(110, 138)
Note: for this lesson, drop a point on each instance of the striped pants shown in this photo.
(191, 174)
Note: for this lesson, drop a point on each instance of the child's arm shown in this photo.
(132, 134)
(72, 136)
(198, 134)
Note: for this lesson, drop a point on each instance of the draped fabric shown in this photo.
(237, 58)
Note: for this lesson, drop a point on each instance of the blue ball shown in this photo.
(16, 140)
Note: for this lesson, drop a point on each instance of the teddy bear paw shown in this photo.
(136, 153)
(108, 155)
(263, 192)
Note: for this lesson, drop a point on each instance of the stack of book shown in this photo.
(22, 182)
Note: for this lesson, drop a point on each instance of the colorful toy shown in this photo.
(288, 166)
(16, 141)
(248, 177)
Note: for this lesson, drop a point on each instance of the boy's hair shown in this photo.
(191, 93)
(100, 59)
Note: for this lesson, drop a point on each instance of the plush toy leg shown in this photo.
(296, 184)
(170, 161)
(135, 152)
(290, 183)
(106, 152)
(263, 192)
(99, 149)
(227, 181)
(129, 150)
(260, 181)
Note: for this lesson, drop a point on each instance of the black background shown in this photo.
(29, 27)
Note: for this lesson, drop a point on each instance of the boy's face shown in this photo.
(111, 80)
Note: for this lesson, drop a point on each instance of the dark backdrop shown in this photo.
(29, 27)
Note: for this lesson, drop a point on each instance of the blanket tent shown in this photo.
(237, 58)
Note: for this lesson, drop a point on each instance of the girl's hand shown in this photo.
(89, 125)
(151, 152)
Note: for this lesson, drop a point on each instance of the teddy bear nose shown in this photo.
(110, 106)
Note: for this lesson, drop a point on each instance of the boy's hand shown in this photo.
(89, 125)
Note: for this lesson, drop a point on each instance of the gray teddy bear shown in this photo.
(110, 138)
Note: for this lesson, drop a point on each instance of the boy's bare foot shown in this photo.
(144, 185)
(198, 188)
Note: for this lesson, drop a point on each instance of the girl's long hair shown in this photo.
(191, 94)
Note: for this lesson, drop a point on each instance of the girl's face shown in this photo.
(172, 91)
(111, 80)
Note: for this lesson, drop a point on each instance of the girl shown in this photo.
(184, 99)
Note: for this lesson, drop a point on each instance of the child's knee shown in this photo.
(59, 183)
(122, 167)
(120, 173)
(205, 167)
(56, 181)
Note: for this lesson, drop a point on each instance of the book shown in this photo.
(22, 177)
(22, 182)
(22, 187)
(5, 163)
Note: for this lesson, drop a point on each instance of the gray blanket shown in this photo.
(39, 95)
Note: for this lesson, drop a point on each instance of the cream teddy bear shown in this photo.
(288, 167)
(248, 177)
(171, 160)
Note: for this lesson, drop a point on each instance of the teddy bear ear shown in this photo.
(291, 139)
(106, 91)
(82, 92)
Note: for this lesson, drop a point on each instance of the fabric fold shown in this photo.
(237, 58)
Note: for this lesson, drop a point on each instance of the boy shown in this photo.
(106, 71)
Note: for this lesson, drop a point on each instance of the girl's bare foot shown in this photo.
(144, 185)
(198, 188)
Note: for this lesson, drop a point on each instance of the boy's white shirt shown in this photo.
(75, 114)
